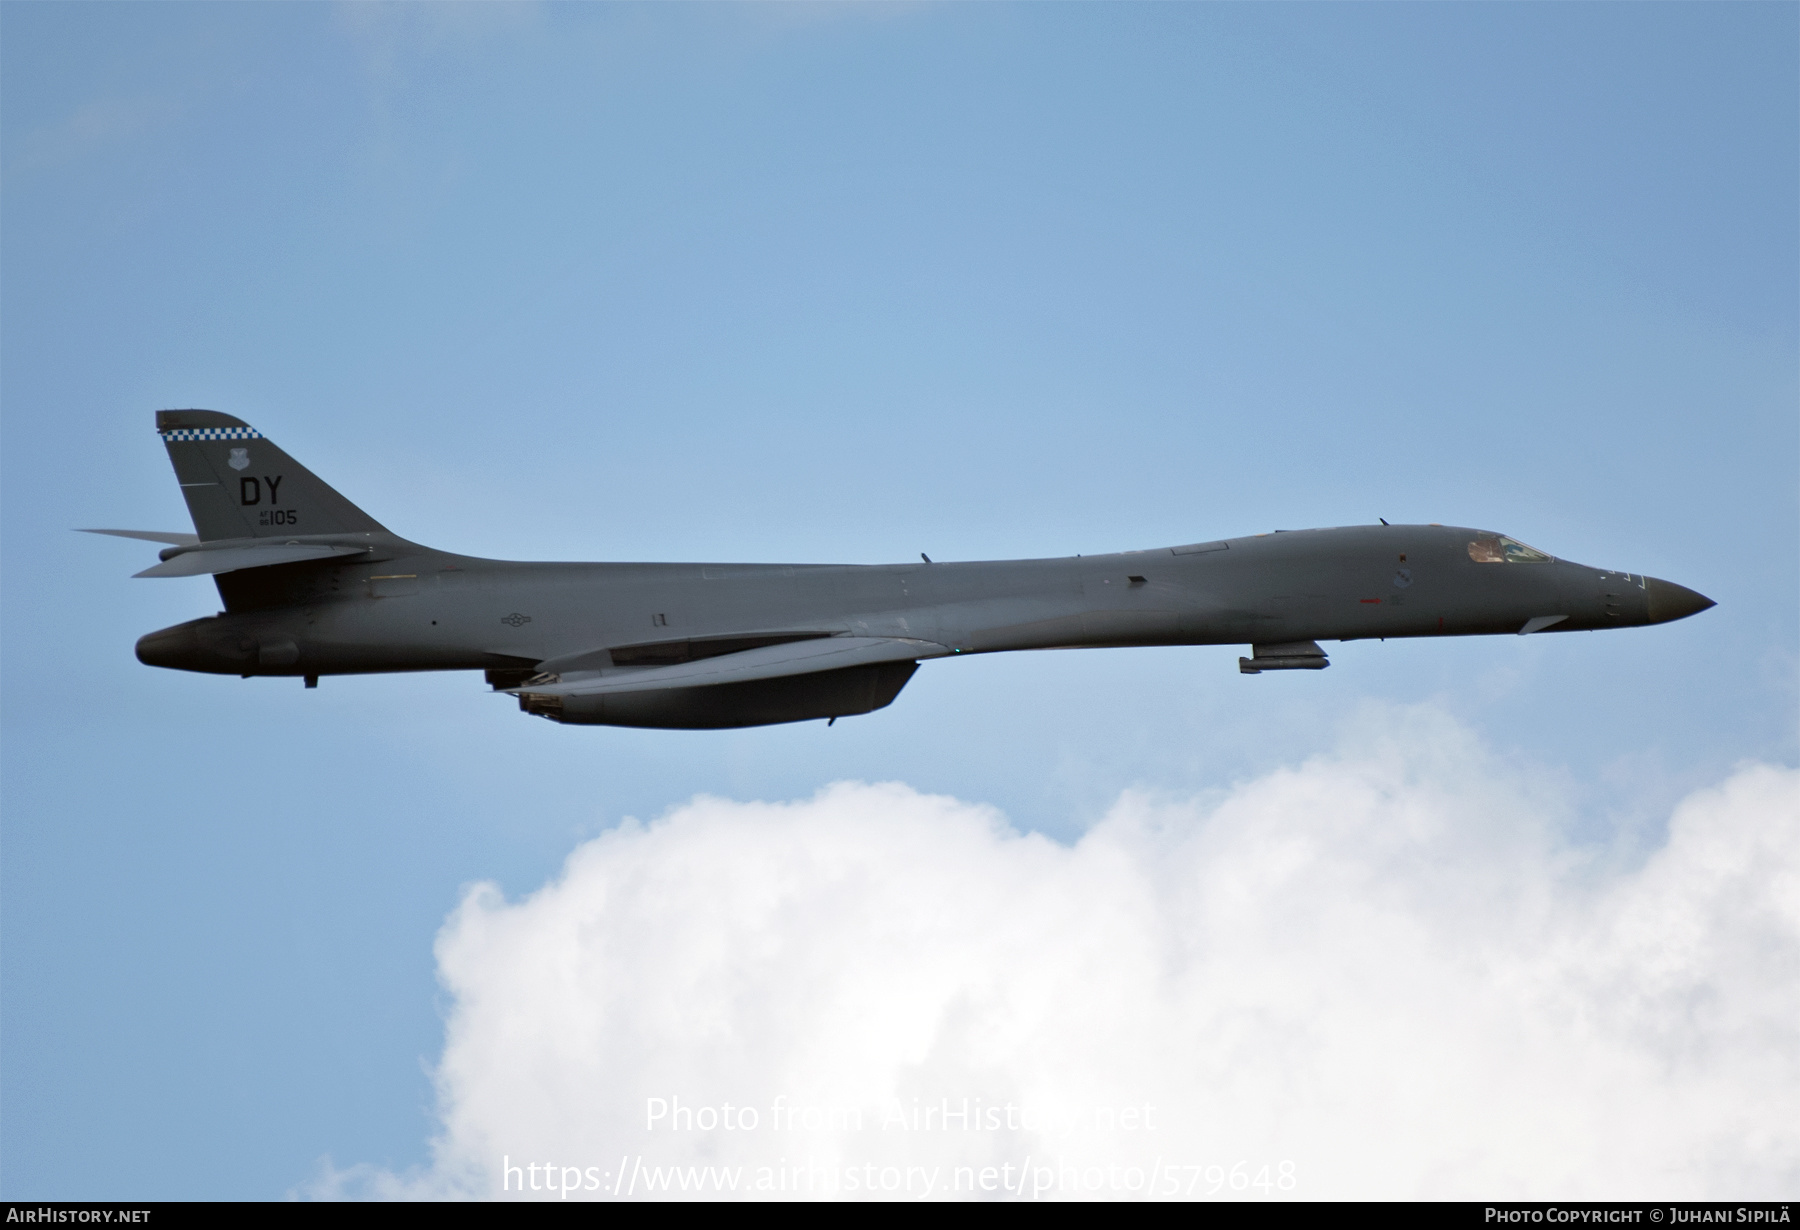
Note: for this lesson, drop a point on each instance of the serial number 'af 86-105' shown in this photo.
(314, 586)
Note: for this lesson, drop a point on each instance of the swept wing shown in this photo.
(768, 662)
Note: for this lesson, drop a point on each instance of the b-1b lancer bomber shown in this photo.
(314, 586)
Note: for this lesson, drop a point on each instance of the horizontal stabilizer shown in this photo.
(231, 559)
(171, 537)
(769, 662)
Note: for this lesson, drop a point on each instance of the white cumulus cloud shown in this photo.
(1383, 973)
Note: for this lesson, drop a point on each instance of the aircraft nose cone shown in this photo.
(1671, 601)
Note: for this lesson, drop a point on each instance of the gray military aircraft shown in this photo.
(313, 586)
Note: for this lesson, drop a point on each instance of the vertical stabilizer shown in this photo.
(239, 485)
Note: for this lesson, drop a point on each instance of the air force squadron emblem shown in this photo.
(240, 459)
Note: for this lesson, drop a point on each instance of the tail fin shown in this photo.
(239, 485)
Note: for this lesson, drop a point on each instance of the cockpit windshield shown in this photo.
(1505, 551)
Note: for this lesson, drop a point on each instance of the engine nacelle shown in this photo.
(761, 702)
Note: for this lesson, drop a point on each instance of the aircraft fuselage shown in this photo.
(404, 607)
(314, 586)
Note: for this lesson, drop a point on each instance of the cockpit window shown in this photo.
(1505, 551)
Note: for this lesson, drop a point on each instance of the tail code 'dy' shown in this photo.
(239, 485)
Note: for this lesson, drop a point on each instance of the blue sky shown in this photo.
(833, 284)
